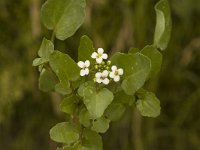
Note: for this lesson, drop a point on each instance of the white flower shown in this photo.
(116, 73)
(99, 56)
(84, 67)
(101, 77)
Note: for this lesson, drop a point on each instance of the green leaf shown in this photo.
(63, 16)
(155, 57)
(148, 104)
(47, 80)
(133, 50)
(115, 111)
(66, 70)
(83, 86)
(122, 97)
(163, 24)
(66, 148)
(136, 70)
(100, 125)
(46, 49)
(65, 132)
(44, 52)
(97, 102)
(63, 88)
(39, 61)
(84, 117)
(91, 141)
(85, 49)
(68, 104)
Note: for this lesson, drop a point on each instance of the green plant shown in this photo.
(96, 91)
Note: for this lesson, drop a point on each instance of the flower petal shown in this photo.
(106, 81)
(82, 72)
(98, 75)
(98, 80)
(116, 78)
(94, 55)
(120, 71)
(100, 50)
(105, 73)
(81, 64)
(86, 71)
(114, 68)
(99, 60)
(104, 56)
(87, 63)
(112, 74)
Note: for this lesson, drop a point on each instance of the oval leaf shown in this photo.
(100, 125)
(65, 132)
(148, 104)
(163, 24)
(63, 16)
(85, 49)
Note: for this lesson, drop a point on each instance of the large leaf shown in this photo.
(156, 59)
(68, 104)
(163, 24)
(44, 52)
(136, 70)
(91, 141)
(100, 125)
(63, 16)
(47, 80)
(65, 132)
(65, 68)
(85, 49)
(148, 104)
(97, 102)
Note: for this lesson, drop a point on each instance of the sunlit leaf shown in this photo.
(65, 132)
(163, 24)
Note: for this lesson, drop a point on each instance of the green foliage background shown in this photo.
(26, 114)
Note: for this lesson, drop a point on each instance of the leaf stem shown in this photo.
(53, 36)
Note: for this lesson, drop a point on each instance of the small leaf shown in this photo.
(91, 141)
(39, 61)
(63, 16)
(85, 49)
(133, 50)
(155, 57)
(68, 104)
(163, 24)
(65, 132)
(84, 117)
(100, 125)
(97, 102)
(83, 86)
(115, 111)
(46, 49)
(47, 80)
(148, 104)
(44, 52)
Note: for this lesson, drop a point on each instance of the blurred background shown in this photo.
(27, 114)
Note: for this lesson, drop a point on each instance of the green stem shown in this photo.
(53, 37)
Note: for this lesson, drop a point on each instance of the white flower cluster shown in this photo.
(103, 72)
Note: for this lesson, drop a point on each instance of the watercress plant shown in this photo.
(97, 89)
